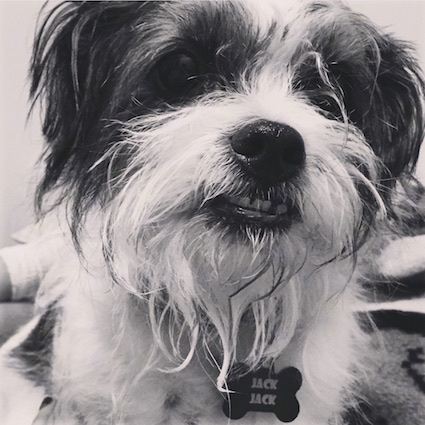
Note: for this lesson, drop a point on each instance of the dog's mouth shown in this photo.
(254, 211)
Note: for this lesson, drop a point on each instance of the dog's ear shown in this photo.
(78, 52)
(394, 122)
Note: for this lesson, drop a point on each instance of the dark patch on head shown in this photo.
(225, 37)
(95, 67)
(77, 63)
(375, 77)
(33, 357)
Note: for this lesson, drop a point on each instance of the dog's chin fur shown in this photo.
(171, 281)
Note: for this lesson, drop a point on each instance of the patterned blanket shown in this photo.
(395, 392)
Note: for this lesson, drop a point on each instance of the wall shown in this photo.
(20, 140)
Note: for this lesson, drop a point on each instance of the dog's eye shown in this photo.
(176, 74)
(330, 105)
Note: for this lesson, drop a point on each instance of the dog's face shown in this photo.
(284, 91)
(227, 143)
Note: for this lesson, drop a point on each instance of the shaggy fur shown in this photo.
(184, 261)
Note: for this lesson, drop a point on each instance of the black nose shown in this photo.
(269, 151)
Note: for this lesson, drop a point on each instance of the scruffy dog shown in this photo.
(222, 164)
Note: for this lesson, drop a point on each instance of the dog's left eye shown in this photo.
(176, 74)
(330, 105)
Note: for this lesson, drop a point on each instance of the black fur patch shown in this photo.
(376, 77)
(33, 357)
(92, 70)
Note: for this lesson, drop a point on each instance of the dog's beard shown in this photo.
(201, 276)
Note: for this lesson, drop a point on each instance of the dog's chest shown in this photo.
(187, 401)
(121, 389)
(188, 398)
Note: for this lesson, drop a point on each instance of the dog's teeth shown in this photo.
(282, 209)
(256, 204)
(243, 202)
(266, 205)
(260, 205)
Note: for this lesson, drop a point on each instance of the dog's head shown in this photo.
(224, 142)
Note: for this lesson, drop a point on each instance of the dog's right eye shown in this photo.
(176, 74)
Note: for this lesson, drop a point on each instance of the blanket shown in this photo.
(394, 394)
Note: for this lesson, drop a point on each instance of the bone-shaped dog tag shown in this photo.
(264, 391)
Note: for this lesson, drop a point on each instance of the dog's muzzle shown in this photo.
(269, 154)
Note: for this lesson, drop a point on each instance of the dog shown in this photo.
(223, 167)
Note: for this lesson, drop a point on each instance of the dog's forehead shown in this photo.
(260, 16)
(262, 12)
(269, 12)
(261, 25)
(266, 13)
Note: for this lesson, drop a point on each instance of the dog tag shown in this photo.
(264, 391)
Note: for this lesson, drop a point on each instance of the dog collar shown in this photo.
(263, 391)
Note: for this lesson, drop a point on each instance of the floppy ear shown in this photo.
(394, 124)
(78, 52)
